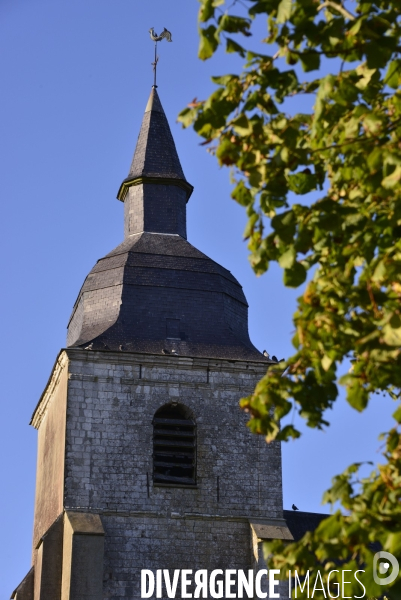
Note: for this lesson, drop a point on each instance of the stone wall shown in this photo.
(111, 400)
(50, 420)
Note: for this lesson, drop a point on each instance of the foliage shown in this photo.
(345, 245)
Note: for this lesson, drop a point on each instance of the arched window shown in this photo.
(174, 446)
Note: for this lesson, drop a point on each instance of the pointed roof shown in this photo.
(155, 154)
(155, 292)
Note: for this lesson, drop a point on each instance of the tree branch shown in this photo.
(360, 139)
(339, 7)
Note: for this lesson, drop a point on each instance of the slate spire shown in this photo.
(155, 292)
(156, 191)
(155, 153)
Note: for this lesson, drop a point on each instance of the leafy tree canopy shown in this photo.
(345, 247)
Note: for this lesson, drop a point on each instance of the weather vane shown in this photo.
(158, 38)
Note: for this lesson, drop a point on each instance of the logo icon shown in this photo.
(381, 565)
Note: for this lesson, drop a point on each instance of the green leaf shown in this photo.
(286, 260)
(393, 440)
(357, 396)
(375, 159)
(227, 152)
(377, 54)
(394, 543)
(391, 335)
(241, 125)
(393, 75)
(187, 116)
(284, 224)
(242, 194)
(356, 26)
(326, 362)
(393, 179)
(310, 61)
(325, 88)
(232, 46)
(208, 42)
(373, 122)
(365, 76)
(397, 414)
(206, 10)
(379, 272)
(330, 528)
(284, 11)
(233, 24)
(250, 226)
(295, 276)
(302, 183)
(288, 432)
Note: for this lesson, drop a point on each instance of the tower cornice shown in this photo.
(130, 181)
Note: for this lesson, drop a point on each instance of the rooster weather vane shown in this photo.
(158, 38)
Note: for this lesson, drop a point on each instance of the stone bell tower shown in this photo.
(144, 459)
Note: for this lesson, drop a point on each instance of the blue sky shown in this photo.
(75, 81)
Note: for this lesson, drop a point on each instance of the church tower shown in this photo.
(144, 459)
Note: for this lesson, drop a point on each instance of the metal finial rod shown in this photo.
(155, 66)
